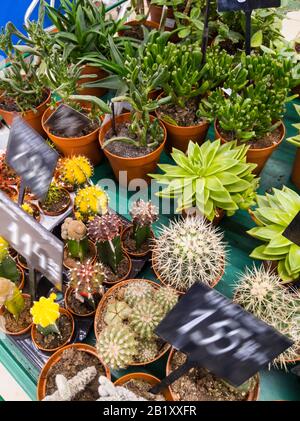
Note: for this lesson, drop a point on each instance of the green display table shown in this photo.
(275, 384)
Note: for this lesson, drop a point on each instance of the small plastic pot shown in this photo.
(21, 332)
(62, 311)
(68, 292)
(87, 71)
(110, 283)
(155, 15)
(131, 253)
(62, 210)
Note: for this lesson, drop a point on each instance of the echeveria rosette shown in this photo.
(273, 215)
(210, 176)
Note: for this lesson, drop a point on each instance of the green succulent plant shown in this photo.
(145, 317)
(137, 291)
(273, 215)
(8, 267)
(143, 215)
(147, 350)
(295, 140)
(210, 176)
(116, 312)
(166, 298)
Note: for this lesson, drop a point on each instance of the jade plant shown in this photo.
(188, 251)
(273, 214)
(8, 267)
(45, 314)
(105, 231)
(253, 99)
(210, 177)
(143, 215)
(87, 279)
(11, 298)
(75, 171)
(89, 202)
(260, 292)
(75, 234)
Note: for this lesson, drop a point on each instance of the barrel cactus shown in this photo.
(137, 291)
(89, 202)
(273, 215)
(166, 298)
(76, 170)
(147, 350)
(117, 346)
(189, 250)
(116, 312)
(145, 317)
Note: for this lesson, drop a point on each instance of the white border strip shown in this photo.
(9, 388)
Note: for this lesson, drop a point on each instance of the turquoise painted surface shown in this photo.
(275, 384)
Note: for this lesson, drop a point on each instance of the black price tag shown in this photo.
(292, 231)
(219, 335)
(30, 156)
(41, 249)
(68, 120)
(246, 5)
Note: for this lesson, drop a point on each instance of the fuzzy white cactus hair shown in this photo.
(260, 291)
(187, 251)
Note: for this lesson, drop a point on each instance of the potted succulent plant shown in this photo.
(188, 251)
(136, 239)
(52, 327)
(201, 385)
(86, 289)
(14, 309)
(32, 210)
(73, 372)
(8, 266)
(210, 178)
(260, 291)
(89, 202)
(156, 11)
(56, 202)
(7, 174)
(74, 172)
(125, 321)
(106, 232)
(295, 140)
(78, 247)
(250, 107)
(273, 214)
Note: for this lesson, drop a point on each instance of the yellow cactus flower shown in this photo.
(3, 248)
(45, 312)
(90, 201)
(76, 170)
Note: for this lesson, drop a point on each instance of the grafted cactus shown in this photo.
(76, 171)
(11, 298)
(8, 267)
(89, 202)
(75, 233)
(45, 314)
(143, 215)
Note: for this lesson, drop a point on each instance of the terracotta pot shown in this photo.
(91, 70)
(252, 396)
(85, 145)
(42, 380)
(32, 118)
(11, 192)
(156, 271)
(62, 210)
(124, 277)
(194, 211)
(21, 332)
(22, 276)
(92, 249)
(68, 292)
(296, 170)
(153, 381)
(62, 311)
(102, 306)
(155, 15)
(179, 136)
(256, 156)
(21, 263)
(138, 167)
(149, 24)
(131, 253)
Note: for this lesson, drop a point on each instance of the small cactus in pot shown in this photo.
(8, 267)
(145, 317)
(106, 232)
(75, 234)
(11, 298)
(89, 202)
(45, 314)
(75, 171)
(137, 291)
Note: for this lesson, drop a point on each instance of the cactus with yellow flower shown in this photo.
(8, 267)
(89, 202)
(76, 171)
(11, 297)
(45, 314)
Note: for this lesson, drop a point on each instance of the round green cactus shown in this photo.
(116, 312)
(166, 298)
(147, 350)
(117, 346)
(144, 318)
(137, 291)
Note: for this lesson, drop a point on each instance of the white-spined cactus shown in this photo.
(189, 250)
(260, 292)
(137, 291)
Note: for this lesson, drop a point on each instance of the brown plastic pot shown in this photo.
(21, 283)
(102, 306)
(157, 274)
(55, 358)
(256, 156)
(33, 118)
(62, 311)
(155, 15)
(296, 170)
(153, 381)
(68, 292)
(99, 74)
(21, 332)
(179, 136)
(93, 257)
(149, 24)
(85, 145)
(136, 168)
(252, 396)
(61, 211)
(21, 263)
(124, 277)
(131, 253)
